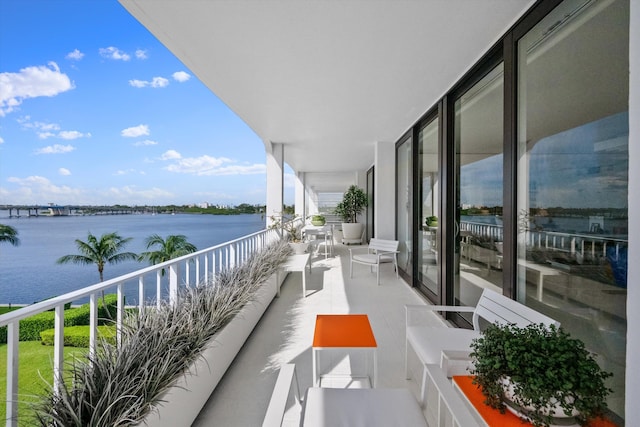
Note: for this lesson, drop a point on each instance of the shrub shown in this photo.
(31, 327)
(78, 336)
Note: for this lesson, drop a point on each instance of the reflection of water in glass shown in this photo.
(29, 272)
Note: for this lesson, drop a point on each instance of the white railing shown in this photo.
(188, 270)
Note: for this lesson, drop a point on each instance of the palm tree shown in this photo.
(173, 246)
(9, 234)
(106, 250)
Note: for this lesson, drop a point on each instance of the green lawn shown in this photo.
(35, 373)
(5, 309)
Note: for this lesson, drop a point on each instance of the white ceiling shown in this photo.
(328, 78)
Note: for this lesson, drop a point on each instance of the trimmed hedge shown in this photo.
(31, 327)
(78, 336)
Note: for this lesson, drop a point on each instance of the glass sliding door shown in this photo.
(572, 175)
(428, 233)
(404, 205)
(370, 207)
(478, 136)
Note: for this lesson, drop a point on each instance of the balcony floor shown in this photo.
(285, 333)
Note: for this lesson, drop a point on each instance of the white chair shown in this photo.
(429, 343)
(378, 252)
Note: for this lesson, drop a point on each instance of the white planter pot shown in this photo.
(559, 419)
(299, 247)
(352, 232)
(182, 403)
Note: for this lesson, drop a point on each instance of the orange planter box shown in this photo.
(492, 416)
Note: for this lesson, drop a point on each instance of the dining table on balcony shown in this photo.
(318, 233)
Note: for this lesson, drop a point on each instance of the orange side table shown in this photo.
(492, 417)
(347, 331)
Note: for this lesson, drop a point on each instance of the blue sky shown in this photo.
(94, 110)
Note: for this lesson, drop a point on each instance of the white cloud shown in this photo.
(64, 171)
(170, 155)
(39, 188)
(55, 149)
(76, 55)
(138, 83)
(48, 130)
(31, 82)
(155, 82)
(114, 53)
(1, 140)
(141, 54)
(181, 76)
(136, 131)
(72, 134)
(145, 143)
(159, 82)
(46, 135)
(208, 166)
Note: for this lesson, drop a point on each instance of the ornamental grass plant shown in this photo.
(120, 385)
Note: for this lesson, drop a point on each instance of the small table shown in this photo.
(330, 407)
(323, 231)
(347, 331)
(298, 263)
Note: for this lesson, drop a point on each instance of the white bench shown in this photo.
(428, 343)
(280, 396)
(379, 251)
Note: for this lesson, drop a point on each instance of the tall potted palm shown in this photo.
(353, 203)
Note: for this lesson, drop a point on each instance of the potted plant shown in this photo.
(290, 228)
(431, 221)
(542, 374)
(353, 203)
(318, 220)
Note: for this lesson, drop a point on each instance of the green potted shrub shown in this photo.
(318, 220)
(353, 203)
(542, 374)
(431, 221)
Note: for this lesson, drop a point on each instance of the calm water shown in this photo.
(29, 272)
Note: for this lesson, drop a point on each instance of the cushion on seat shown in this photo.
(428, 342)
(372, 258)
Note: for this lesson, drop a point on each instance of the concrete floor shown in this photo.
(285, 333)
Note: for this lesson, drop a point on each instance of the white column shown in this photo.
(384, 188)
(275, 180)
(300, 202)
(632, 409)
(311, 200)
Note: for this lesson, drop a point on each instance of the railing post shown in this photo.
(119, 313)
(58, 348)
(173, 284)
(13, 335)
(187, 280)
(158, 288)
(140, 294)
(93, 324)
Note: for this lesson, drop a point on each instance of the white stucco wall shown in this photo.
(384, 188)
(632, 396)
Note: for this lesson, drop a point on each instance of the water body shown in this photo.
(29, 273)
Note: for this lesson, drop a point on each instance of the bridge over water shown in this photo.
(17, 211)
